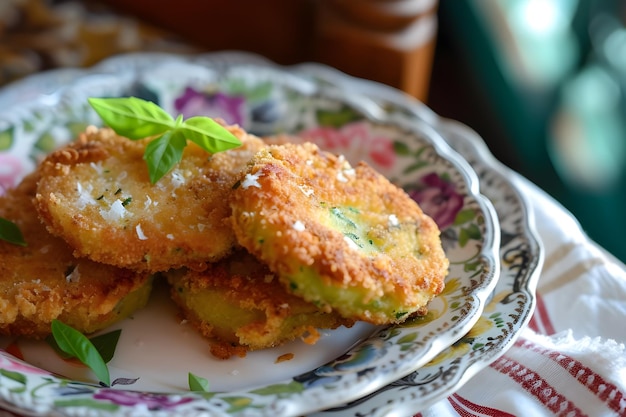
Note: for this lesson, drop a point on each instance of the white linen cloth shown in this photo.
(571, 360)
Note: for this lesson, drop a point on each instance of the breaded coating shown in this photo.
(343, 238)
(96, 194)
(44, 281)
(241, 306)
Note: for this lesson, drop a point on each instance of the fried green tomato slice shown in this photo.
(343, 238)
(44, 281)
(96, 194)
(241, 306)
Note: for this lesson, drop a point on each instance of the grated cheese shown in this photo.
(97, 167)
(178, 178)
(298, 226)
(351, 243)
(148, 203)
(346, 169)
(140, 233)
(73, 276)
(393, 220)
(84, 195)
(115, 213)
(306, 190)
(251, 180)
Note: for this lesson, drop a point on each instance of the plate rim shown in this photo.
(413, 399)
(473, 183)
(446, 127)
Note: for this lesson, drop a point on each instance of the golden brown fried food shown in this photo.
(96, 195)
(44, 281)
(343, 238)
(242, 306)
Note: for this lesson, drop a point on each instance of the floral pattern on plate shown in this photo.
(512, 301)
(267, 100)
(508, 311)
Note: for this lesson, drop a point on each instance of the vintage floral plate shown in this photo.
(513, 300)
(156, 352)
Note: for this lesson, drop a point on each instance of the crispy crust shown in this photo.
(324, 244)
(241, 306)
(343, 238)
(44, 281)
(95, 194)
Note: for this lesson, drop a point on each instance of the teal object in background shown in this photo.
(550, 78)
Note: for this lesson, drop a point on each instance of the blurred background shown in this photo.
(542, 81)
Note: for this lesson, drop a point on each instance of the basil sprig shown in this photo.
(136, 119)
(77, 345)
(105, 344)
(11, 233)
(197, 383)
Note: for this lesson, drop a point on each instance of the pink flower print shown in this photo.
(15, 365)
(131, 398)
(11, 169)
(216, 105)
(355, 139)
(439, 199)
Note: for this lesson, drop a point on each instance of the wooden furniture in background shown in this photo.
(390, 41)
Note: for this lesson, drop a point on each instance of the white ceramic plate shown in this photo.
(344, 365)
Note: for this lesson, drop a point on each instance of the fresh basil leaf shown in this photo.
(163, 153)
(197, 383)
(133, 117)
(11, 233)
(106, 343)
(74, 343)
(208, 134)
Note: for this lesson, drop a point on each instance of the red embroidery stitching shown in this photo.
(604, 390)
(537, 386)
(541, 322)
(461, 406)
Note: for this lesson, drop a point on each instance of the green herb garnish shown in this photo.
(105, 344)
(11, 233)
(197, 383)
(136, 119)
(75, 344)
